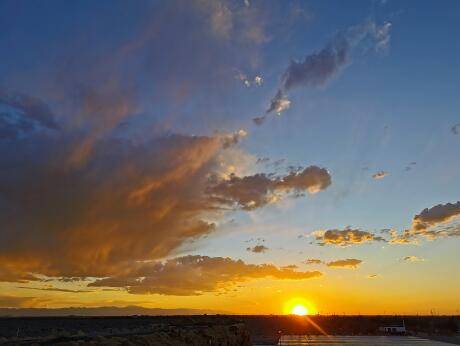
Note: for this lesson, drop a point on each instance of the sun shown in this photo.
(299, 306)
(299, 310)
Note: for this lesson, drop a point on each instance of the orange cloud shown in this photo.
(345, 237)
(194, 275)
(350, 263)
(255, 191)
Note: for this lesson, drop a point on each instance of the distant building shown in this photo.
(394, 328)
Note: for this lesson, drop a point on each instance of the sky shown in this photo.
(233, 156)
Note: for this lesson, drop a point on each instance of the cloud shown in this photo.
(258, 80)
(256, 191)
(380, 175)
(93, 218)
(413, 259)
(195, 275)
(433, 216)
(373, 276)
(432, 223)
(258, 249)
(262, 160)
(54, 289)
(279, 103)
(316, 69)
(350, 263)
(455, 129)
(21, 115)
(7, 301)
(313, 261)
(290, 266)
(259, 120)
(345, 237)
(99, 177)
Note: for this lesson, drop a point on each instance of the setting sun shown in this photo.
(299, 310)
(299, 306)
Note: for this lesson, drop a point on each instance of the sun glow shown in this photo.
(299, 306)
(299, 310)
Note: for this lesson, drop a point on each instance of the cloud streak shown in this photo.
(316, 69)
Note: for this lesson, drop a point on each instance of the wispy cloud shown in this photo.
(316, 69)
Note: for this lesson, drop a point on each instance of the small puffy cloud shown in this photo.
(373, 276)
(413, 259)
(313, 261)
(195, 275)
(432, 223)
(255, 191)
(258, 249)
(258, 80)
(455, 129)
(279, 103)
(233, 138)
(345, 237)
(433, 216)
(380, 175)
(349, 263)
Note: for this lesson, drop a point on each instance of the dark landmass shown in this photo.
(203, 329)
(102, 311)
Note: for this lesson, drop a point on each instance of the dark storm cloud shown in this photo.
(126, 201)
(105, 183)
(255, 191)
(198, 274)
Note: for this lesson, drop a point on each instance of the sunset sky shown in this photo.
(237, 156)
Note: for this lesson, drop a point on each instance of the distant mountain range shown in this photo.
(102, 311)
